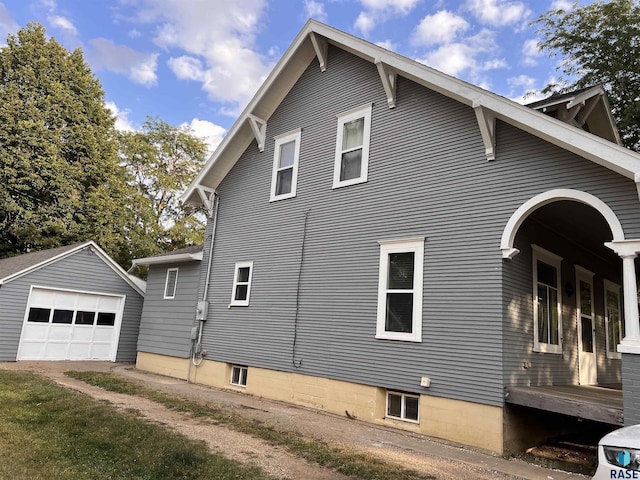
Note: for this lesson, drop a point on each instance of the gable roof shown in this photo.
(187, 254)
(586, 108)
(12, 268)
(311, 42)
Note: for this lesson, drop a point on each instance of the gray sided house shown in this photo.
(389, 242)
(68, 303)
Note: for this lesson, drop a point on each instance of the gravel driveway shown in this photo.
(443, 460)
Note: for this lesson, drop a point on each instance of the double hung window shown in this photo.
(170, 284)
(242, 284)
(352, 147)
(285, 165)
(547, 302)
(400, 290)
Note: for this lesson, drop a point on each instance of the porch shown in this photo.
(600, 404)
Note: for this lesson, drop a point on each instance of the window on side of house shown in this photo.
(171, 283)
(403, 406)
(242, 284)
(400, 290)
(352, 147)
(614, 325)
(239, 375)
(284, 179)
(547, 302)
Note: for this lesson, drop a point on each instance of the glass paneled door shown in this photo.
(588, 367)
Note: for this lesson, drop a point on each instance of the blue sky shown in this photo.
(198, 62)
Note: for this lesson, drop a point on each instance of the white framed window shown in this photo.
(285, 165)
(242, 284)
(400, 290)
(239, 375)
(352, 147)
(547, 301)
(403, 406)
(171, 283)
(614, 325)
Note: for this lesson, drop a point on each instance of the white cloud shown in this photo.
(456, 58)
(221, 50)
(122, 117)
(315, 10)
(442, 27)
(378, 11)
(522, 81)
(139, 67)
(7, 24)
(530, 52)
(62, 23)
(211, 133)
(565, 5)
(498, 12)
(388, 44)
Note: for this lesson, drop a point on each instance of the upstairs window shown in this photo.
(613, 318)
(285, 166)
(352, 147)
(547, 302)
(242, 284)
(400, 290)
(171, 283)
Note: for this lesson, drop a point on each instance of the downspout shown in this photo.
(196, 345)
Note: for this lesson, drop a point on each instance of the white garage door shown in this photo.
(68, 325)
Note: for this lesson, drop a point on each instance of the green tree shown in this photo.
(599, 44)
(162, 160)
(61, 181)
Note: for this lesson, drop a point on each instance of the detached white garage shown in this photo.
(68, 303)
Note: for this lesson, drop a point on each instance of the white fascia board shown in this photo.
(115, 267)
(614, 157)
(160, 259)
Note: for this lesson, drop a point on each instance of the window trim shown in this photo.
(545, 256)
(610, 286)
(238, 266)
(403, 407)
(166, 284)
(294, 135)
(363, 111)
(241, 377)
(415, 245)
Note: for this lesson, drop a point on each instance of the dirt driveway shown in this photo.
(442, 460)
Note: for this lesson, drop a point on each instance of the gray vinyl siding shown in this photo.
(166, 324)
(81, 271)
(631, 388)
(428, 176)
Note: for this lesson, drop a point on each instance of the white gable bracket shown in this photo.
(389, 79)
(207, 195)
(590, 105)
(259, 128)
(487, 123)
(321, 47)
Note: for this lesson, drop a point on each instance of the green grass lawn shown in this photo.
(341, 460)
(48, 432)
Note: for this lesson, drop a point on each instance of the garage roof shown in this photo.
(14, 267)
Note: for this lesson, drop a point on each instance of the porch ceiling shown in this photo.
(578, 223)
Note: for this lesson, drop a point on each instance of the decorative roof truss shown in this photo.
(487, 123)
(321, 47)
(259, 128)
(389, 79)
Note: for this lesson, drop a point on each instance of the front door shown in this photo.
(586, 328)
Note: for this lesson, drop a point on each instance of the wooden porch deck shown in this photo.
(588, 402)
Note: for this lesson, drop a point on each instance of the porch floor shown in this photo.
(588, 402)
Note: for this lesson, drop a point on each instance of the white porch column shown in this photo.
(628, 251)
